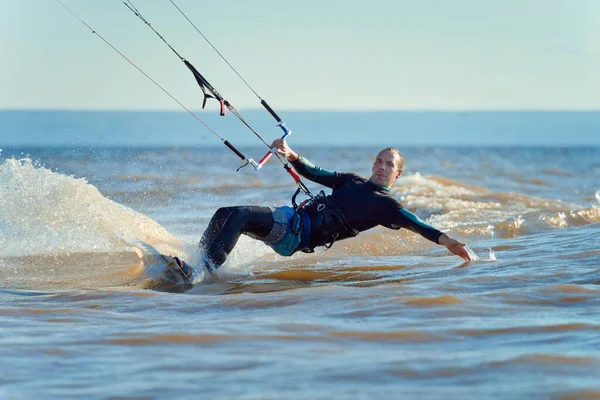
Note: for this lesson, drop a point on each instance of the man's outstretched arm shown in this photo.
(408, 220)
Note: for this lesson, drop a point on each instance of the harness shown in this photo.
(328, 222)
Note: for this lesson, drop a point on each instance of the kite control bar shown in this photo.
(286, 132)
(240, 155)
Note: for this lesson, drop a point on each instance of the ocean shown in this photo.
(84, 312)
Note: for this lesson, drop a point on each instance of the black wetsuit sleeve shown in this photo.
(405, 219)
(318, 174)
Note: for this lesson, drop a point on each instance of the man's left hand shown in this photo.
(455, 247)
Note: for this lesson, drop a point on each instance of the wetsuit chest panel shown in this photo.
(364, 205)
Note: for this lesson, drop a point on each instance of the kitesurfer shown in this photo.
(355, 205)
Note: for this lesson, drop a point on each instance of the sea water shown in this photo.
(384, 315)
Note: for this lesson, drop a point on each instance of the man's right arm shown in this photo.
(314, 173)
(305, 167)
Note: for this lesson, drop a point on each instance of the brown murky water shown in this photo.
(83, 312)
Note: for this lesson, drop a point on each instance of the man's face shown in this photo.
(385, 168)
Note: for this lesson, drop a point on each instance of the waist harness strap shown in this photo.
(328, 222)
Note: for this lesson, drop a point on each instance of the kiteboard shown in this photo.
(178, 272)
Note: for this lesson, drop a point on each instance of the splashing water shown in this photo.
(490, 229)
(519, 221)
(43, 212)
(474, 256)
(492, 255)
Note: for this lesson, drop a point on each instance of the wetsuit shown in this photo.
(355, 205)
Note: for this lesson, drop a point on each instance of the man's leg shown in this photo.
(228, 224)
(214, 226)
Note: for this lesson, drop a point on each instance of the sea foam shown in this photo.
(43, 212)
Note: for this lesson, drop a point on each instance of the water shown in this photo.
(324, 128)
(83, 312)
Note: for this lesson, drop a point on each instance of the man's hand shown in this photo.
(284, 150)
(455, 247)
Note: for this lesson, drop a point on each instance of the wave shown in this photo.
(474, 211)
(550, 360)
(58, 230)
(539, 360)
(44, 212)
(579, 395)
(528, 329)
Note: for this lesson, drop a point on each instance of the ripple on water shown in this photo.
(579, 395)
(528, 329)
(444, 300)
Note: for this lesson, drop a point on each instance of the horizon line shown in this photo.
(415, 110)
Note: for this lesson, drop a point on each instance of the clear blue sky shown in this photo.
(319, 55)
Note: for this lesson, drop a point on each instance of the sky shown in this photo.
(305, 55)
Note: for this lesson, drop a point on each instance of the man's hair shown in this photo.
(401, 157)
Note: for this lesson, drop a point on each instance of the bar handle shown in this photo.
(270, 110)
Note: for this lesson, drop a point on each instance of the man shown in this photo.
(355, 205)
